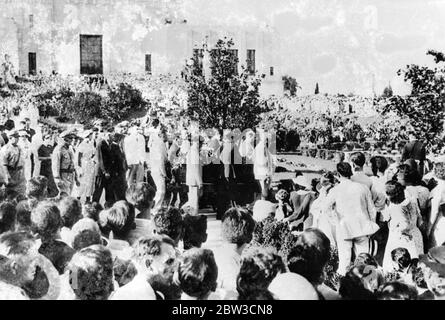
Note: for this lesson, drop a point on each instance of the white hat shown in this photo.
(302, 181)
(292, 286)
(262, 209)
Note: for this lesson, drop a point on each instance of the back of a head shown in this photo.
(85, 224)
(395, 192)
(91, 273)
(195, 231)
(309, 255)
(259, 266)
(407, 175)
(197, 273)
(23, 214)
(119, 219)
(145, 248)
(291, 286)
(46, 220)
(358, 159)
(397, 291)
(37, 187)
(16, 243)
(379, 164)
(9, 124)
(70, 211)
(344, 169)
(237, 226)
(401, 257)
(92, 210)
(355, 285)
(86, 238)
(7, 217)
(169, 221)
(140, 195)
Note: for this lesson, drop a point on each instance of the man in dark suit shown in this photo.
(415, 149)
(104, 168)
(118, 173)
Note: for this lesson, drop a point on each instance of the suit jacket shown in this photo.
(104, 159)
(414, 150)
(119, 163)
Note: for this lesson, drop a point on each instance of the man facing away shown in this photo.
(104, 168)
(356, 213)
(415, 149)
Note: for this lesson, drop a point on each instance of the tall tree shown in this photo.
(317, 91)
(227, 99)
(425, 106)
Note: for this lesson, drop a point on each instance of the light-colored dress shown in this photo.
(403, 230)
(324, 219)
(437, 197)
(262, 162)
(87, 167)
(420, 194)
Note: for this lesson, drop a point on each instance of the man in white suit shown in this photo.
(134, 147)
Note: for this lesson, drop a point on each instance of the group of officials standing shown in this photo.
(85, 163)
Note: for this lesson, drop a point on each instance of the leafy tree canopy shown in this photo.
(425, 106)
(226, 99)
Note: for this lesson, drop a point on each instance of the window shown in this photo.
(198, 65)
(91, 54)
(251, 61)
(234, 54)
(31, 20)
(148, 63)
(271, 71)
(32, 63)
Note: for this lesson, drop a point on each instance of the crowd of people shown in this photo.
(325, 122)
(112, 211)
(73, 201)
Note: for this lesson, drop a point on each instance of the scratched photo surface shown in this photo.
(222, 150)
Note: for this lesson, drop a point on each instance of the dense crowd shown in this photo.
(74, 205)
(113, 212)
(324, 122)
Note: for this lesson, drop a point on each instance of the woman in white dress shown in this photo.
(86, 163)
(263, 164)
(403, 216)
(325, 220)
(193, 174)
(436, 227)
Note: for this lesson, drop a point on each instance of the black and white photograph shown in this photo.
(222, 150)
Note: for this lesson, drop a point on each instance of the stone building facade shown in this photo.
(74, 37)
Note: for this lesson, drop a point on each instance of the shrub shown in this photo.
(272, 233)
(121, 101)
(53, 102)
(84, 106)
